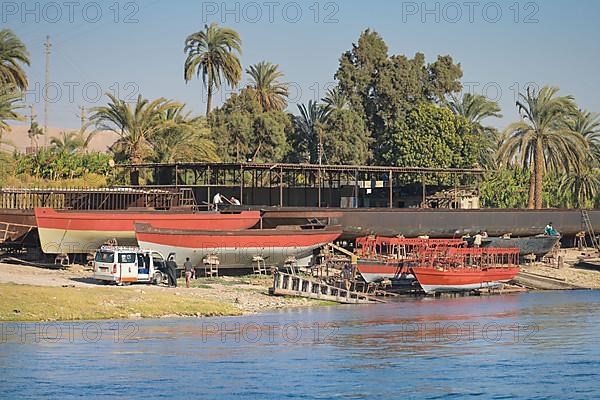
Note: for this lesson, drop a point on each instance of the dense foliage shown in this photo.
(386, 109)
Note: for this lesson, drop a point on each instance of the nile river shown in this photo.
(531, 345)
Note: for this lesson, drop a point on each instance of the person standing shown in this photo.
(172, 271)
(477, 240)
(188, 267)
(217, 201)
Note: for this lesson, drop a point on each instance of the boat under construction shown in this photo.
(362, 200)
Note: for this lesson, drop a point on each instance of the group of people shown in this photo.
(219, 200)
(172, 271)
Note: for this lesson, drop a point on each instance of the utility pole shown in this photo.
(82, 116)
(48, 47)
(31, 121)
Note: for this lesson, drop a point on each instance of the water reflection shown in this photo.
(525, 345)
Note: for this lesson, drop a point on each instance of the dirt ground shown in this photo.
(569, 273)
(248, 294)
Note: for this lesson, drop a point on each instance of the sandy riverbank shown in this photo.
(32, 294)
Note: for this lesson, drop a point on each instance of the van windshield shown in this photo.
(127, 257)
(105, 256)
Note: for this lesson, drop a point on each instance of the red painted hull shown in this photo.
(235, 248)
(85, 231)
(124, 220)
(434, 280)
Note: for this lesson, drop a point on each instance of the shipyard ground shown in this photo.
(29, 293)
(36, 294)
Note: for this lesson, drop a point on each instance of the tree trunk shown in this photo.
(134, 173)
(539, 173)
(209, 98)
(531, 195)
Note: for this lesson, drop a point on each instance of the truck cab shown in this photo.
(121, 265)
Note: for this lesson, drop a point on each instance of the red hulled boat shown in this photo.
(464, 269)
(236, 249)
(85, 231)
(387, 257)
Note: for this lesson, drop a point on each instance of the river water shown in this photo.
(530, 345)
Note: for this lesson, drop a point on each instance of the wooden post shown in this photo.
(241, 184)
(281, 187)
(319, 186)
(390, 177)
(423, 187)
(355, 189)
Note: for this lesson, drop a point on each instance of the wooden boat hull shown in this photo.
(456, 280)
(235, 249)
(85, 231)
(539, 245)
(375, 270)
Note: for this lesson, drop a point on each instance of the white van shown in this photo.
(129, 264)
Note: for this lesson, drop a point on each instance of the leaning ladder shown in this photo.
(587, 225)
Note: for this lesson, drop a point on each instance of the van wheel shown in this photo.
(157, 278)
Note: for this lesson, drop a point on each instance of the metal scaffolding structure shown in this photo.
(284, 184)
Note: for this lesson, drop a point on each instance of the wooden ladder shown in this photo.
(587, 226)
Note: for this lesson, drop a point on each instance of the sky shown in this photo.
(136, 47)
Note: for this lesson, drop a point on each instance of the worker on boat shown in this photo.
(477, 240)
(217, 201)
(346, 274)
(550, 231)
(172, 271)
(234, 202)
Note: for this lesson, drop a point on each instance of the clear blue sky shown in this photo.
(137, 46)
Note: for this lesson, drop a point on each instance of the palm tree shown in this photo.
(265, 86)
(9, 104)
(582, 184)
(541, 140)
(183, 138)
(135, 124)
(335, 99)
(33, 132)
(309, 126)
(475, 108)
(587, 124)
(13, 56)
(214, 54)
(70, 142)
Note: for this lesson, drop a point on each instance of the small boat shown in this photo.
(85, 231)
(466, 269)
(382, 257)
(539, 245)
(237, 249)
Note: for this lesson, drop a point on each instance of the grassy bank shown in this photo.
(42, 303)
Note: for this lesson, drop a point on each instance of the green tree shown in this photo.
(135, 124)
(33, 132)
(310, 125)
(385, 89)
(505, 188)
(242, 131)
(68, 142)
(432, 136)
(214, 54)
(542, 140)
(266, 87)
(335, 99)
(9, 104)
(475, 108)
(182, 138)
(13, 57)
(346, 140)
(587, 124)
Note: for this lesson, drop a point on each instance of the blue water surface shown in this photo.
(530, 345)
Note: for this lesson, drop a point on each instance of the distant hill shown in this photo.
(18, 138)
